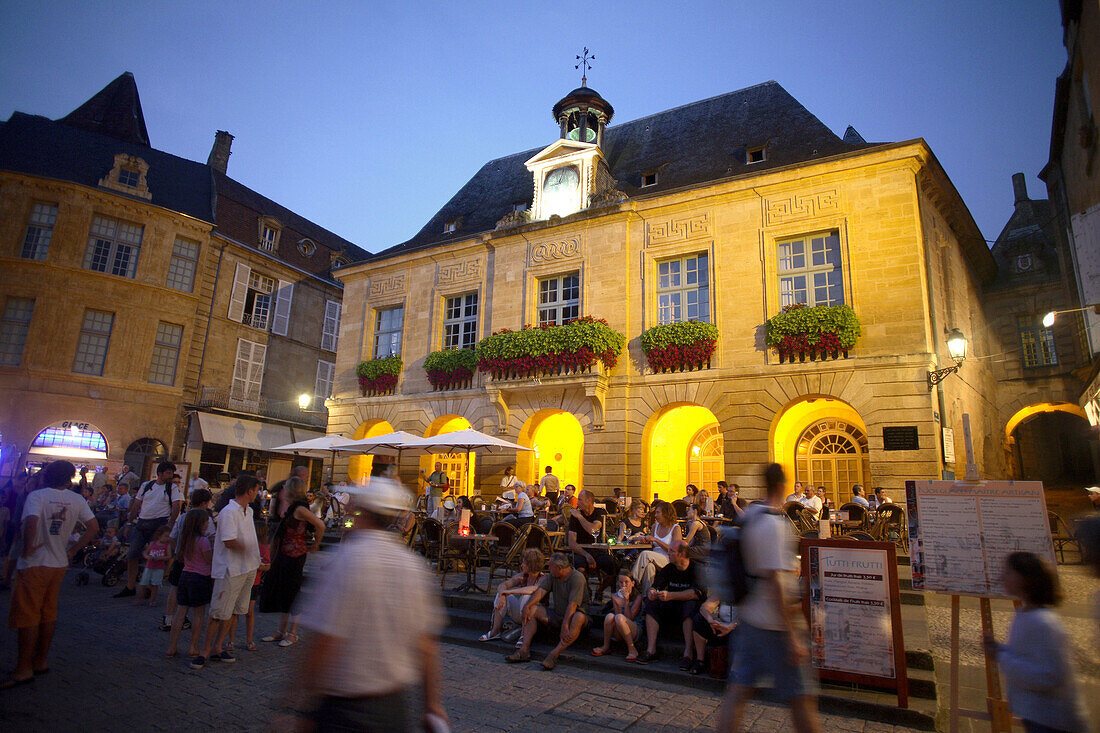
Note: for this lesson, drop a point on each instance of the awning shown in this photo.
(240, 433)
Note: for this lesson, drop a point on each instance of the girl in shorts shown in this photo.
(623, 621)
(195, 586)
(156, 557)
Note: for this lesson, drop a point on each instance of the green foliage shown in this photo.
(450, 360)
(685, 333)
(374, 368)
(812, 322)
(584, 333)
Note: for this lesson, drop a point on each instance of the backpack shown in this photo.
(149, 484)
(728, 574)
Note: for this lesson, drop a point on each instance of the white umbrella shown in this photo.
(467, 441)
(384, 445)
(325, 442)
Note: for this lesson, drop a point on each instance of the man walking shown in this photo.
(49, 515)
(157, 503)
(233, 568)
(771, 640)
(377, 618)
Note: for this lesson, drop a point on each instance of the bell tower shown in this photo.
(583, 114)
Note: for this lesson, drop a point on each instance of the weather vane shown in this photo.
(586, 62)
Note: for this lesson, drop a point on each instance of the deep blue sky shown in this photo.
(367, 117)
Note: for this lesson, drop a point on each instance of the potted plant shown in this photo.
(548, 350)
(680, 346)
(450, 368)
(378, 376)
(818, 332)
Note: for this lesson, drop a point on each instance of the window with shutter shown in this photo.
(248, 371)
(331, 332)
(322, 390)
(283, 297)
(240, 292)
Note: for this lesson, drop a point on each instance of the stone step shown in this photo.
(864, 704)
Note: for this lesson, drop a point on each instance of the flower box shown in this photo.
(819, 333)
(451, 368)
(378, 376)
(535, 351)
(684, 346)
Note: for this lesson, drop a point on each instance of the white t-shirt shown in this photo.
(550, 483)
(508, 482)
(768, 545)
(814, 504)
(795, 497)
(154, 501)
(235, 523)
(58, 511)
(523, 504)
(197, 483)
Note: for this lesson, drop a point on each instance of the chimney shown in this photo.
(1019, 187)
(219, 154)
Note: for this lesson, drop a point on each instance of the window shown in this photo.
(755, 155)
(519, 206)
(387, 332)
(257, 303)
(559, 299)
(683, 290)
(113, 247)
(36, 242)
(322, 390)
(129, 177)
(14, 324)
(649, 179)
(306, 247)
(810, 272)
(91, 349)
(268, 239)
(166, 353)
(450, 226)
(460, 322)
(330, 334)
(182, 266)
(248, 371)
(1036, 342)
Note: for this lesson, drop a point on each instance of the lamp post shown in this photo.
(956, 347)
(1048, 319)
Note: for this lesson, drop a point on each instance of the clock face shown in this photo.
(561, 179)
(561, 192)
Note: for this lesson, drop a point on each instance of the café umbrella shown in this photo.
(466, 441)
(390, 444)
(328, 442)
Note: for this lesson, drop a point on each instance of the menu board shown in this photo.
(852, 604)
(960, 532)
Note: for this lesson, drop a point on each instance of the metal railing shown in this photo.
(223, 398)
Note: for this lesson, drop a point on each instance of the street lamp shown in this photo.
(956, 347)
(303, 405)
(1048, 319)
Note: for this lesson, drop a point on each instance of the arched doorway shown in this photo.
(359, 464)
(557, 440)
(833, 453)
(454, 464)
(681, 444)
(822, 441)
(143, 454)
(1049, 442)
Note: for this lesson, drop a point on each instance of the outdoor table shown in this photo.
(476, 541)
(718, 519)
(851, 525)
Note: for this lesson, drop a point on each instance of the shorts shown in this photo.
(555, 620)
(670, 613)
(231, 596)
(175, 572)
(761, 653)
(34, 597)
(194, 590)
(151, 577)
(141, 534)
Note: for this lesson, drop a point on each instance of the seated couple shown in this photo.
(567, 591)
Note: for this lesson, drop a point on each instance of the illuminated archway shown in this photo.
(681, 444)
(833, 453)
(1032, 410)
(1049, 442)
(558, 440)
(794, 435)
(359, 464)
(72, 441)
(454, 464)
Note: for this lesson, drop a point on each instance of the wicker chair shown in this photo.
(681, 508)
(801, 516)
(1062, 535)
(536, 538)
(510, 557)
(452, 551)
(431, 538)
(890, 526)
(856, 513)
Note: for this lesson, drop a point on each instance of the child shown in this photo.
(156, 557)
(195, 586)
(265, 565)
(1037, 660)
(200, 499)
(622, 622)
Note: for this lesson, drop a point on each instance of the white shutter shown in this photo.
(331, 331)
(322, 389)
(240, 369)
(240, 292)
(282, 308)
(256, 371)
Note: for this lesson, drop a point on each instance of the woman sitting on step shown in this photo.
(514, 593)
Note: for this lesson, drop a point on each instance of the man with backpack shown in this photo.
(157, 503)
(763, 575)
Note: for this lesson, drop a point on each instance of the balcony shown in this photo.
(222, 398)
(592, 381)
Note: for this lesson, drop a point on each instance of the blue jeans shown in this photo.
(759, 653)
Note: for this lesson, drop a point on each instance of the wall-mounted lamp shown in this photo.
(956, 347)
(303, 405)
(1048, 319)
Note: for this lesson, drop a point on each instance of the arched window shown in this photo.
(143, 454)
(70, 439)
(833, 453)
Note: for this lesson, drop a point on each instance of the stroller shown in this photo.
(112, 568)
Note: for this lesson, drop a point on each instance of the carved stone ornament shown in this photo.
(387, 285)
(514, 219)
(800, 206)
(539, 253)
(458, 272)
(678, 229)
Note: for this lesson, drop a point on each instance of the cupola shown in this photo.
(582, 115)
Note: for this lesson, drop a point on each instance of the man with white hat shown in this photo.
(376, 616)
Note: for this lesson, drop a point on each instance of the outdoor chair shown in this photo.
(537, 539)
(1062, 535)
(856, 513)
(505, 532)
(510, 557)
(477, 500)
(890, 526)
(410, 537)
(452, 551)
(431, 538)
(800, 515)
(859, 535)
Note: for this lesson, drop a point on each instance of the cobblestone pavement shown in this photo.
(109, 673)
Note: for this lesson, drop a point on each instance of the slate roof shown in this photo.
(115, 111)
(41, 147)
(1030, 230)
(697, 143)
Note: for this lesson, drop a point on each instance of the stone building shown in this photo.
(722, 211)
(152, 306)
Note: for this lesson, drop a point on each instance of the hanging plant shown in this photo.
(378, 376)
(680, 346)
(823, 331)
(450, 368)
(548, 350)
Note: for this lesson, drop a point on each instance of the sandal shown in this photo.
(289, 640)
(277, 636)
(599, 651)
(488, 636)
(549, 664)
(632, 657)
(251, 646)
